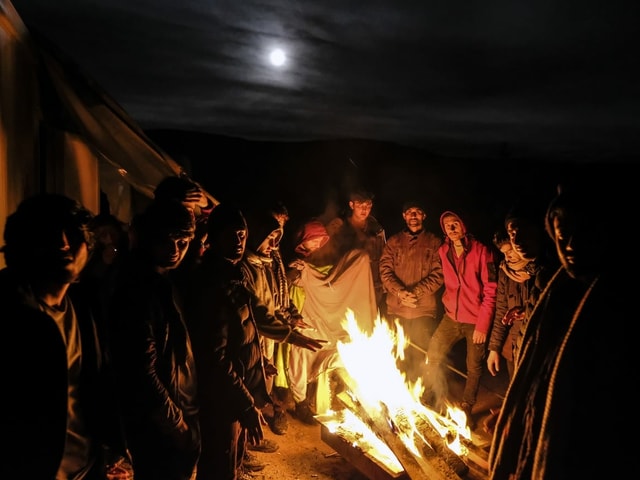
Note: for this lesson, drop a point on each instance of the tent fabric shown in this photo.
(61, 132)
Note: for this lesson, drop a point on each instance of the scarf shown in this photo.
(517, 271)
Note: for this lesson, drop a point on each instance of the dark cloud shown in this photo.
(541, 76)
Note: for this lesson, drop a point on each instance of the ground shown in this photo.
(304, 455)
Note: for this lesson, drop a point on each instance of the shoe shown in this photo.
(489, 424)
(265, 446)
(468, 409)
(251, 463)
(304, 413)
(279, 424)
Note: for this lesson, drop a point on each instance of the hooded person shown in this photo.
(264, 234)
(469, 302)
(324, 292)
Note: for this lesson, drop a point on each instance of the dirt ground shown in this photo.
(304, 455)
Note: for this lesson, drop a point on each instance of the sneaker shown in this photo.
(265, 446)
(279, 424)
(251, 463)
(304, 413)
(468, 410)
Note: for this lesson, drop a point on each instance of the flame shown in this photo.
(371, 363)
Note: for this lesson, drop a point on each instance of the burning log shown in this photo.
(418, 466)
(439, 446)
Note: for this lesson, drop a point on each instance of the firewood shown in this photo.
(417, 467)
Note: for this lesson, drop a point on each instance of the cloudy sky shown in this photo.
(539, 77)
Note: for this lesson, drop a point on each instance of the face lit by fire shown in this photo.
(270, 243)
(453, 228)
(361, 209)
(231, 242)
(169, 251)
(578, 251)
(525, 238)
(510, 254)
(414, 218)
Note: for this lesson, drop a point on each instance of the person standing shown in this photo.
(358, 229)
(571, 360)
(324, 289)
(523, 273)
(63, 418)
(469, 301)
(151, 348)
(228, 354)
(411, 273)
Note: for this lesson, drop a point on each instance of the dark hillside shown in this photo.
(307, 176)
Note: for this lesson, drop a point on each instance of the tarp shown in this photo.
(61, 132)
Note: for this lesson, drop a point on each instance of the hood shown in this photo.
(311, 230)
(465, 234)
(260, 226)
(449, 213)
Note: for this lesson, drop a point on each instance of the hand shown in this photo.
(407, 298)
(298, 322)
(270, 370)
(300, 340)
(195, 197)
(514, 313)
(297, 264)
(253, 420)
(479, 337)
(493, 362)
(409, 304)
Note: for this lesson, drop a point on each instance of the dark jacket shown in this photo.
(37, 373)
(155, 369)
(228, 355)
(225, 339)
(411, 262)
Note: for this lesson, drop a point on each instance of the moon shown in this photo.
(277, 57)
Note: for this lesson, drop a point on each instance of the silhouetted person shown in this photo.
(62, 418)
(151, 348)
(572, 365)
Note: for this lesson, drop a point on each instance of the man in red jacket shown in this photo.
(469, 301)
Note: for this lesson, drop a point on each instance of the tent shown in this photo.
(60, 132)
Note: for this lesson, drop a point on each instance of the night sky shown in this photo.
(538, 78)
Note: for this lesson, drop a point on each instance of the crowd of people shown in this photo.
(160, 350)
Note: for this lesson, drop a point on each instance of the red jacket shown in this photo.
(470, 288)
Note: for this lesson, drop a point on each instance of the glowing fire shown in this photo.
(376, 382)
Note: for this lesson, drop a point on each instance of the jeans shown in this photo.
(447, 334)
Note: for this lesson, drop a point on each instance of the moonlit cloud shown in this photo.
(538, 76)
